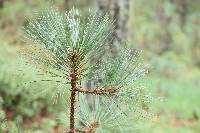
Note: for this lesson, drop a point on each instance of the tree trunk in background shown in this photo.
(67, 4)
(182, 9)
(1, 3)
(119, 12)
(165, 21)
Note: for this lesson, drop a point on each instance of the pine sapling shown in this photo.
(63, 45)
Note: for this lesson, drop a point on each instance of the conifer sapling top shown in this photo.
(62, 45)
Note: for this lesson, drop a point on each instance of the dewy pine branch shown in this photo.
(89, 129)
(74, 58)
(63, 46)
(98, 91)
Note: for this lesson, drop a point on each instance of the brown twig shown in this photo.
(89, 129)
(98, 91)
(74, 78)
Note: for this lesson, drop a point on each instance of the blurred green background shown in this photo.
(168, 32)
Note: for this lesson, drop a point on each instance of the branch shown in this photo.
(103, 91)
(89, 129)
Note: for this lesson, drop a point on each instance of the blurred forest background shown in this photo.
(168, 32)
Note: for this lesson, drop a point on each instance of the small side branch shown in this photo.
(89, 129)
(98, 91)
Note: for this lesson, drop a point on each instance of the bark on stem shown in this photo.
(74, 89)
(74, 79)
(98, 91)
(72, 110)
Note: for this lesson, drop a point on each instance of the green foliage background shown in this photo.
(174, 75)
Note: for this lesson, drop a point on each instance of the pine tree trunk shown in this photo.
(183, 11)
(119, 12)
(67, 4)
(166, 37)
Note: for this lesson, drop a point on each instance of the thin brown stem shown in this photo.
(74, 78)
(98, 91)
(72, 110)
(89, 129)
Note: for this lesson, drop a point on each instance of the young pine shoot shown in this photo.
(67, 48)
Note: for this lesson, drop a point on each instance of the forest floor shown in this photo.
(180, 110)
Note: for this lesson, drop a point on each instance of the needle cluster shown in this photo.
(63, 45)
